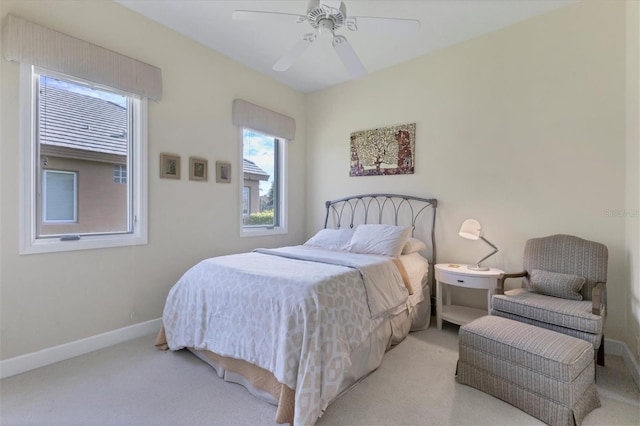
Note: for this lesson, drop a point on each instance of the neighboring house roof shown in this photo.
(251, 168)
(73, 120)
(81, 122)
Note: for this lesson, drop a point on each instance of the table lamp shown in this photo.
(472, 230)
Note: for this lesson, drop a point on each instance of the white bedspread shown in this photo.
(298, 319)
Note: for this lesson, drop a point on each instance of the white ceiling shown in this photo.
(259, 45)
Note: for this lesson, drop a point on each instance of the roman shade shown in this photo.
(30, 43)
(246, 114)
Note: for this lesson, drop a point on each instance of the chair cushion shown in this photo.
(566, 286)
(594, 339)
(572, 314)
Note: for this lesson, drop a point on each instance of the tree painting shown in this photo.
(383, 151)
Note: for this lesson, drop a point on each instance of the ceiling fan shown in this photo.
(326, 17)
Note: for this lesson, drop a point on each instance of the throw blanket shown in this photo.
(375, 270)
(296, 312)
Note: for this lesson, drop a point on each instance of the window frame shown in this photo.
(281, 169)
(121, 177)
(30, 243)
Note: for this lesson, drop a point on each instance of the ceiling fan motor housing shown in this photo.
(324, 16)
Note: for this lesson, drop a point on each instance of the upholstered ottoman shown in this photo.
(546, 374)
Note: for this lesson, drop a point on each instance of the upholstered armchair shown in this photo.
(563, 289)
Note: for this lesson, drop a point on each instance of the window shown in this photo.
(79, 139)
(59, 196)
(263, 190)
(119, 173)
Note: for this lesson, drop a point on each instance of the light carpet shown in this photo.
(135, 384)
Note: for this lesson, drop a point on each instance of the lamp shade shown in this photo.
(470, 229)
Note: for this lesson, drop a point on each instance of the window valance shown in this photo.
(272, 123)
(27, 42)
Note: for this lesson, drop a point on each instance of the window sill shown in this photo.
(261, 232)
(54, 245)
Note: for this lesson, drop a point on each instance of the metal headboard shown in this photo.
(383, 208)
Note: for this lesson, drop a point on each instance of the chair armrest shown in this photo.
(596, 298)
(502, 277)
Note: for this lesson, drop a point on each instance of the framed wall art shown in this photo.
(198, 169)
(223, 172)
(169, 166)
(383, 151)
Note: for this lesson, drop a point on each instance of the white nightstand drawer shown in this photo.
(460, 280)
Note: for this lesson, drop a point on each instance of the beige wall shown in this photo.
(632, 211)
(51, 299)
(522, 129)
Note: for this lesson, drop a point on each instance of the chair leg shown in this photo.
(600, 356)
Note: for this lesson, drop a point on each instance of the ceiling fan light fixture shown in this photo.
(326, 26)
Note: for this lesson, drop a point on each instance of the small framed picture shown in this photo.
(169, 166)
(223, 172)
(198, 169)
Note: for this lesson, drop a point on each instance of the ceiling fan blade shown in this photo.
(393, 26)
(348, 57)
(275, 17)
(294, 53)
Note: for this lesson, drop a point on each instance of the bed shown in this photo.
(300, 325)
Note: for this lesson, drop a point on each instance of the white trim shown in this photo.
(283, 189)
(27, 146)
(23, 363)
(618, 348)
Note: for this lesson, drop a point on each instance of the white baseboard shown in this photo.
(23, 363)
(20, 364)
(616, 347)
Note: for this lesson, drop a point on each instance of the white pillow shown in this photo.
(385, 240)
(413, 245)
(417, 268)
(331, 239)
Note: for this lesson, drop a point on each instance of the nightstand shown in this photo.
(449, 274)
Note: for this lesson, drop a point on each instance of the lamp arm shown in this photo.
(495, 250)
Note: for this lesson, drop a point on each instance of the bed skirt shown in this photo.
(366, 359)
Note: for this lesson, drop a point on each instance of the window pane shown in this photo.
(59, 196)
(246, 197)
(260, 174)
(86, 130)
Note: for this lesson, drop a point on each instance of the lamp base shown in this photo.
(477, 268)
